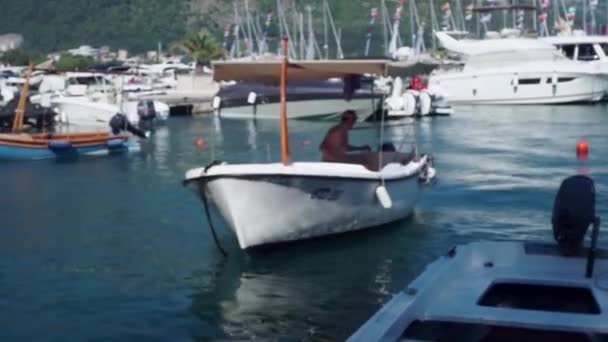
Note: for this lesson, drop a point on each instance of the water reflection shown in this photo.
(292, 292)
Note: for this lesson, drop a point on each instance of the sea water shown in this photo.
(115, 248)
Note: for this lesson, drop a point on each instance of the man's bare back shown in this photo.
(335, 147)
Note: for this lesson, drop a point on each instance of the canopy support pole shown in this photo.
(284, 131)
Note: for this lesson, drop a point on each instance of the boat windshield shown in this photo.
(586, 52)
(604, 47)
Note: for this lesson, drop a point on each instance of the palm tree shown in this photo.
(201, 47)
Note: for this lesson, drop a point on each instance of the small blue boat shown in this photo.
(51, 145)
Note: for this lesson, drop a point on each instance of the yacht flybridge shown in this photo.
(584, 49)
(268, 203)
(515, 71)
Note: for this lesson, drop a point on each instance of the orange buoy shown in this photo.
(582, 149)
(199, 142)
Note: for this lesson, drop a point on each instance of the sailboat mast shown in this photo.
(463, 25)
(310, 48)
(237, 29)
(325, 33)
(395, 37)
(280, 24)
(585, 16)
(534, 14)
(285, 27)
(370, 27)
(385, 25)
(249, 35)
(302, 36)
(434, 25)
(284, 130)
(412, 24)
(337, 37)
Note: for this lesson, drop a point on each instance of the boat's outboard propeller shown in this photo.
(119, 123)
(573, 213)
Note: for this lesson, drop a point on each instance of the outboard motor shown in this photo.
(119, 123)
(146, 110)
(573, 213)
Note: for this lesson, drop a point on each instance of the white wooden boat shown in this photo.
(273, 203)
(509, 291)
(280, 202)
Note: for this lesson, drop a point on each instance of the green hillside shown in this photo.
(138, 25)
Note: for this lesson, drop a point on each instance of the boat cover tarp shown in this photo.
(34, 115)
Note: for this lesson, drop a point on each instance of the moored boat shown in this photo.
(515, 71)
(323, 198)
(20, 145)
(509, 291)
(308, 100)
(57, 145)
(288, 201)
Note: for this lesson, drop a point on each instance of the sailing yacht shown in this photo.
(515, 71)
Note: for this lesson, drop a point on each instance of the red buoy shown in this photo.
(582, 149)
(199, 142)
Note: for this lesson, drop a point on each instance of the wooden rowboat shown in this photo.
(53, 145)
(19, 145)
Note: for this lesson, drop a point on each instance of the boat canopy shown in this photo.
(268, 72)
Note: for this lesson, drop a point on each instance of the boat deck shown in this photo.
(489, 284)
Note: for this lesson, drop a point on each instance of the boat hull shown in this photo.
(325, 109)
(267, 209)
(37, 147)
(532, 88)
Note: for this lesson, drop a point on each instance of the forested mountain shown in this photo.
(137, 25)
(51, 25)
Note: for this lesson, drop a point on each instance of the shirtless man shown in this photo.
(335, 147)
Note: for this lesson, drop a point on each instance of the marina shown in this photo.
(304, 170)
(146, 265)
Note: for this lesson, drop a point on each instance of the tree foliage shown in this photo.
(202, 47)
(73, 63)
(19, 57)
(57, 25)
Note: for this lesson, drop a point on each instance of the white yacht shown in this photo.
(91, 100)
(515, 71)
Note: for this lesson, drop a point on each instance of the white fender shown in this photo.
(383, 197)
(394, 103)
(425, 100)
(409, 103)
(397, 87)
(252, 97)
(162, 110)
(216, 102)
